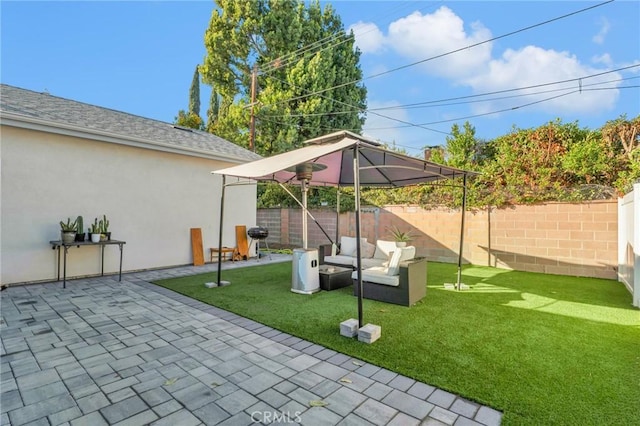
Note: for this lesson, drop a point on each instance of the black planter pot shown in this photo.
(80, 237)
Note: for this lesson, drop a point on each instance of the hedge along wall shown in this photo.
(556, 238)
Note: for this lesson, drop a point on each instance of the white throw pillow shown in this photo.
(348, 246)
(384, 249)
(394, 262)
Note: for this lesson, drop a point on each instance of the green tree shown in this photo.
(622, 136)
(213, 111)
(194, 94)
(187, 119)
(300, 49)
(461, 146)
(191, 118)
(590, 160)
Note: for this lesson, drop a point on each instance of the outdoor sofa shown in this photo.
(373, 255)
(389, 273)
(405, 288)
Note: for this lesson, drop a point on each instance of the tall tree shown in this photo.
(213, 111)
(308, 72)
(461, 146)
(191, 118)
(194, 94)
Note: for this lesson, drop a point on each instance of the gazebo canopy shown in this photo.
(378, 166)
(346, 159)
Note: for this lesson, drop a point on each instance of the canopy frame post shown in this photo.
(224, 180)
(460, 251)
(338, 215)
(356, 187)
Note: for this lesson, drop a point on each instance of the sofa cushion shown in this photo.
(378, 275)
(340, 259)
(369, 263)
(348, 246)
(408, 253)
(383, 248)
(394, 262)
(368, 249)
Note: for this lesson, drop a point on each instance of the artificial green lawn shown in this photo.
(544, 349)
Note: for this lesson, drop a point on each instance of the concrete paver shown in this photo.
(128, 353)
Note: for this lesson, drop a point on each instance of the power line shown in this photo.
(289, 58)
(443, 102)
(374, 113)
(448, 53)
(573, 91)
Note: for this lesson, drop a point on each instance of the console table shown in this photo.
(59, 244)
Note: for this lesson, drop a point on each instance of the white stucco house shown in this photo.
(61, 158)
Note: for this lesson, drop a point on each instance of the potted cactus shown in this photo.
(68, 231)
(94, 231)
(79, 229)
(104, 229)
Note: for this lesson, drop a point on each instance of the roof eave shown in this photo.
(31, 123)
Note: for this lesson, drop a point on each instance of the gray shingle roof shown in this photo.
(59, 111)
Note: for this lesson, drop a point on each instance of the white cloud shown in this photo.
(420, 37)
(369, 38)
(533, 65)
(604, 30)
(417, 37)
(604, 59)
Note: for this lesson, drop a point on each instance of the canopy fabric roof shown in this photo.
(379, 167)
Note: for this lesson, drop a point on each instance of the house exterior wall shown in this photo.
(557, 238)
(151, 199)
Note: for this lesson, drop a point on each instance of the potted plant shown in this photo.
(94, 231)
(68, 231)
(401, 238)
(79, 229)
(104, 228)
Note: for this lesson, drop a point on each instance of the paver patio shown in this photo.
(103, 352)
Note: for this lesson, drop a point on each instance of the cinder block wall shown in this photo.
(557, 238)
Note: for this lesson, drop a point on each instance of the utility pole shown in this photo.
(252, 123)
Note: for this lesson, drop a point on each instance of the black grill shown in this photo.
(258, 233)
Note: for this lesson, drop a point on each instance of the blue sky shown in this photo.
(139, 57)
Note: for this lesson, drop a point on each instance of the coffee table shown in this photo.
(333, 277)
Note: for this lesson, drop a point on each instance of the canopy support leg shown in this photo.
(356, 187)
(224, 179)
(464, 210)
